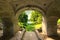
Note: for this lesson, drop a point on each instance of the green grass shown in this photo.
(30, 27)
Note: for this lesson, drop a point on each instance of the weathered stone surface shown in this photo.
(10, 8)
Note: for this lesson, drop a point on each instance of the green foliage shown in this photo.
(21, 25)
(58, 22)
(36, 17)
(22, 19)
(38, 26)
(30, 27)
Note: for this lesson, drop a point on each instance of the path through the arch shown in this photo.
(27, 36)
(30, 36)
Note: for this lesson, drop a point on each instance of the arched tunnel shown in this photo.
(11, 9)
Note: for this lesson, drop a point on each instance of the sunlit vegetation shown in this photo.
(58, 22)
(38, 26)
(36, 17)
(30, 27)
(30, 20)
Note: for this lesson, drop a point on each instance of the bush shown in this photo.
(30, 27)
(58, 22)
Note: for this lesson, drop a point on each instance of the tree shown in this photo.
(36, 17)
(23, 19)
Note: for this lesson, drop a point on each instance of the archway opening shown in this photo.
(58, 27)
(30, 20)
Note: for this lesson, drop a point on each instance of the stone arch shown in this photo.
(33, 7)
(29, 7)
(6, 14)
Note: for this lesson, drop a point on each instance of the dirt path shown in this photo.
(27, 36)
